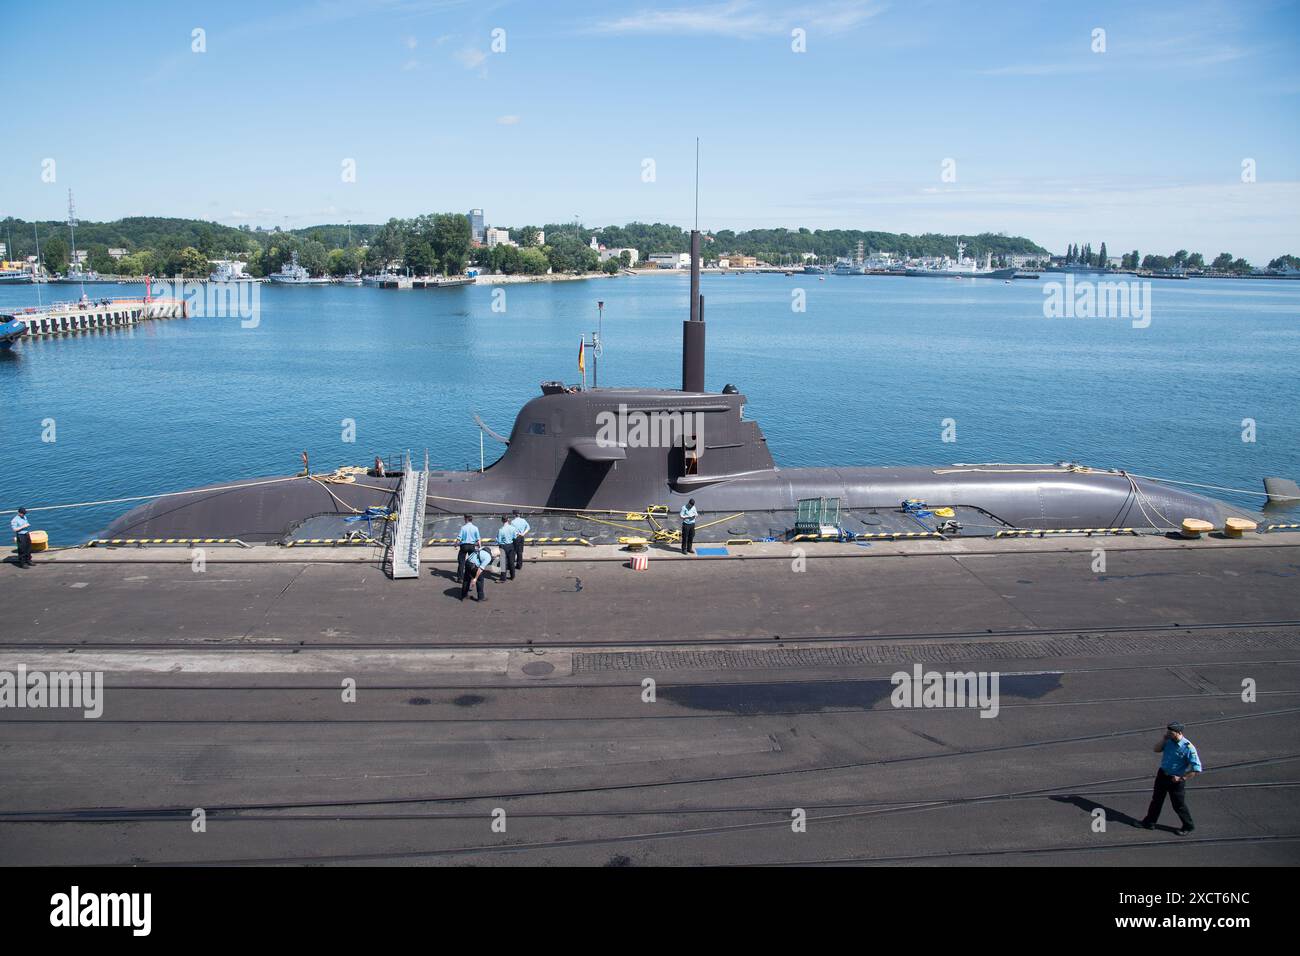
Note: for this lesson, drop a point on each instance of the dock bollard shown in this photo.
(1195, 527)
(1235, 527)
(640, 562)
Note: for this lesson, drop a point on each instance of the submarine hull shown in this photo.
(1044, 498)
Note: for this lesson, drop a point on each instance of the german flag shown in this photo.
(582, 354)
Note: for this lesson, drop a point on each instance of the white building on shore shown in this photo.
(670, 260)
(632, 255)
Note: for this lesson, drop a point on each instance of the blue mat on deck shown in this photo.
(713, 552)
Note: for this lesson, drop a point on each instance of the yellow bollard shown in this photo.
(1236, 527)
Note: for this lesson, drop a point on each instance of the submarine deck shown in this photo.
(223, 692)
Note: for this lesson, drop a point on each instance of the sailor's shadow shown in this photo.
(1088, 806)
(447, 574)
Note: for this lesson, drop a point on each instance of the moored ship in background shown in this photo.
(962, 267)
(291, 273)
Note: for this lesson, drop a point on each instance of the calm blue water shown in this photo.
(864, 376)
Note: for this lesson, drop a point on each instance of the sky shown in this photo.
(1178, 126)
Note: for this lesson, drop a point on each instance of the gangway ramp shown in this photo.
(408, 537)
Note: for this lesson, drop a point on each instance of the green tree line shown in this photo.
(440, 242)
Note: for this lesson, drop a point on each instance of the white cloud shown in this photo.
(1042, 69)
(470, 58)
(1156, 49)
(741, 19)
(508, 120)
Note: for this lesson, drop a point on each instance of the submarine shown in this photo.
(562, 458)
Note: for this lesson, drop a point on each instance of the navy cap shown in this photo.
(1177, 727)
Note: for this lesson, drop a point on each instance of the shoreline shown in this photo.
(494, 280)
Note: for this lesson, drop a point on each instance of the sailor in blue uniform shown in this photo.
(506, 539)
(22, 537)
(468, 538)
(689, 514)
(476, 565)
(1179, 762)
(522, 528)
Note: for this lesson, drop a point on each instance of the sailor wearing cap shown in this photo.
(22, 537)
(467, 537)
(506, 539)
(522, 528)
(1179, 763)
(689, 514)
(476, 565)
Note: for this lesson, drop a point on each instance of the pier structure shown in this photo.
(65, 318)
(221, 691)
(426, 282)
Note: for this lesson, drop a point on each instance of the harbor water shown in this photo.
(875, 370)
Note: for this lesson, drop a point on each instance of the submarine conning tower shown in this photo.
(564, 453)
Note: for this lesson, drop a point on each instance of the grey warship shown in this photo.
(558, 461)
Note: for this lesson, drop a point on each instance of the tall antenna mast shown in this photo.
(697, 184)
(693, 327)
(72, 231)
(36, 271)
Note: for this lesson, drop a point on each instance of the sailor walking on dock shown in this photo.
(506, 538)
(522, 527)
(1179, 763)
(689, 514)
(22, 537)
(476, 565)
(468, 538)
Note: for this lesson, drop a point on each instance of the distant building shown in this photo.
(738, 261)
(476, 226)
(80, 257)
(670, 260)
(4, 252)
(541, 237)
(498, 237)
(632, 255)
(724, 263)
(117, 253)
